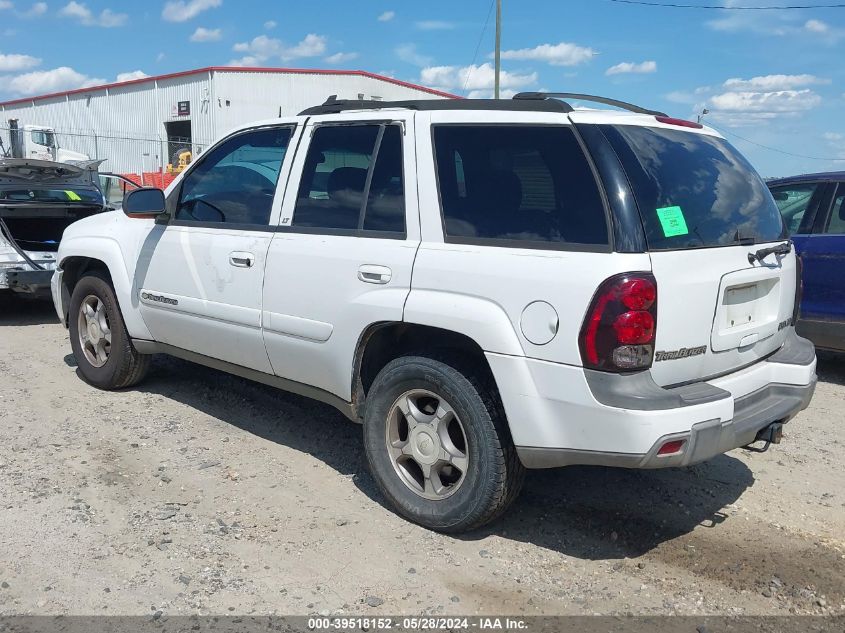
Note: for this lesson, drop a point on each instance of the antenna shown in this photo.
(498, 53)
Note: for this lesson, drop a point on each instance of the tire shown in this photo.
(120, 365)
(453, 501)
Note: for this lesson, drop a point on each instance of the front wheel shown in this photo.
(438, 444)
(102, 347)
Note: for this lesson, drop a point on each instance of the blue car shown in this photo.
(812, 208)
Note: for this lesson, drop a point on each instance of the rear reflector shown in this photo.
(668, 120)
(671, 447)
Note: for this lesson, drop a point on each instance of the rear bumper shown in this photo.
(26, 281)
(705, 440)
(561, 415)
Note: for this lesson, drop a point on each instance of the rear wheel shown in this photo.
(102, 347)
(438, 445)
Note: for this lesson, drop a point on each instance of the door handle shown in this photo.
(372, 274)
(241, 260)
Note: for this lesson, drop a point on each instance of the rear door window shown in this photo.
(353, 181)
(836, 221)
(793, 201)
(517, 185)
(694, 190)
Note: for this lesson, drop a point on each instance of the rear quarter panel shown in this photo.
(483, 291)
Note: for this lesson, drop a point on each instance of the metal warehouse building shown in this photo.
(140, 125)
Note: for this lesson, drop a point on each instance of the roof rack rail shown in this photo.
(540, 96)
(333, 105)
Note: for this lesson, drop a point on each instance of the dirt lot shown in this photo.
(200, 492)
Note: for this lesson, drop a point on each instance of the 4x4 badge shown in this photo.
(684, 352)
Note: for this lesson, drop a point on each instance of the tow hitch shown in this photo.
(771, 434)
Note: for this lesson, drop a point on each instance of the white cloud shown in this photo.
(387, 16)
(435, 25)
(203, 34)
(408, 53)
(160, 57)
(473, 78)
(833, 136)
(738, 102)
(816, 26)
(270, 25)
(340, 58)
(768, 103)
(15, 63)
(263, 48)
(79, 11)
(5, 4)
(311, 46)
(563, 54)
(774, 82)
(632, 68)
(182, 11)
(46, 81)
(773, 24)
(131, 76)
(37, 9)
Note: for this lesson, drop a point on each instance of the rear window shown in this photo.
(694, 190)
(523, 185)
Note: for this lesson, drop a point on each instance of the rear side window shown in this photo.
(528, 185)
(836, 222)
(352, 180)
(694, 190)
(792, 202)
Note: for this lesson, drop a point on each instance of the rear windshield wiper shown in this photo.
(781, 249)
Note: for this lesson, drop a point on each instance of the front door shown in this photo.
(199, 278)
(343, 255)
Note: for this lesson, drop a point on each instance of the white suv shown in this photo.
(487, 286)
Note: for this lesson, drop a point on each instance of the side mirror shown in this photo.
(146, 202)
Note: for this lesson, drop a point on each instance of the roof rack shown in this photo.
(543, 96)
(333, 105)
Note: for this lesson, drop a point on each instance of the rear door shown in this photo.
(823, 256)
(705, 213)
(342, 256)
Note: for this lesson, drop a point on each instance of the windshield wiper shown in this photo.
(781, 249)
(743, 240)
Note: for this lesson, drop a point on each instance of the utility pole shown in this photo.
(498, 47)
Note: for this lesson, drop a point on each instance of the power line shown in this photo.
(676, 5)
(773, 149)
(478, 45)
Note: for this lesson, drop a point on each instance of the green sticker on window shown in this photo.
(672, 220)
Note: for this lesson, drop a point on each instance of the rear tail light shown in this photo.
(619, 329)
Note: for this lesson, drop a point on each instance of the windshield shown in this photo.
(78, 195)
(694, 190)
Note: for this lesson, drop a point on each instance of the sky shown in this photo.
(773, 81)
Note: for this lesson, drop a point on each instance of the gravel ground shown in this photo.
(199, 492)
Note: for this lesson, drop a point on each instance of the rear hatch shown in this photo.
(39, 199)
(704, 210)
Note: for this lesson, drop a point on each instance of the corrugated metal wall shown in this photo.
(253, 96)
(126, 124)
